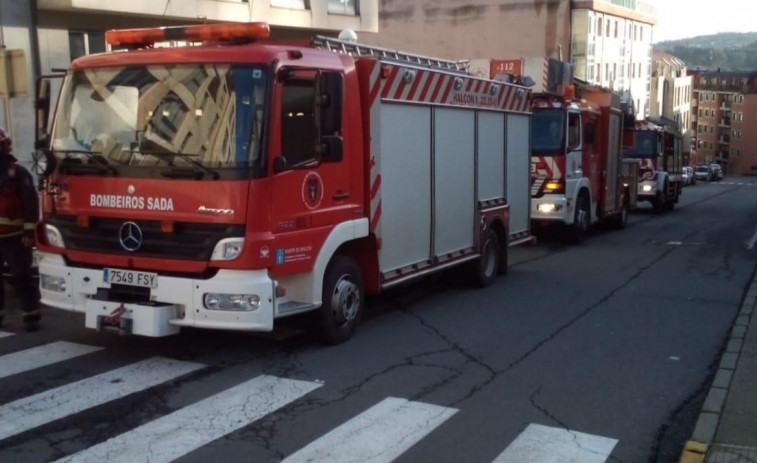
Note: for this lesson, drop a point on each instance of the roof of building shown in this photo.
(667, 58)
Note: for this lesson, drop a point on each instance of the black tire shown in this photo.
(503, 256)
(581, 220)
(343, 300)
(658, 204)
(621, 220)
(487, 265)
(671, 203)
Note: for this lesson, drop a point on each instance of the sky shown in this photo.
(679, 19)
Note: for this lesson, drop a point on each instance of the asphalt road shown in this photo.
(598, 352)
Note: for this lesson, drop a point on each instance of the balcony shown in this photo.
(725, 106)
(724, 140)
(725, 122)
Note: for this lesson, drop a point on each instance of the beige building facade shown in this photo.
(608, 41)
(671, 93)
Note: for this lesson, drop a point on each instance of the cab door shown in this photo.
(309, 174)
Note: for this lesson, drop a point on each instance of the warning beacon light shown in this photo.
(200, 32)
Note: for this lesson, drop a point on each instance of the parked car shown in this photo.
(703, 172)
(717, 172)
(688, 176)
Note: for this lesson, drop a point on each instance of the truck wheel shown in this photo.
(621, 220)
(487, 266)
(671, 204)
(502, 267)
(658, 204)
(581, 220)
(343, 300)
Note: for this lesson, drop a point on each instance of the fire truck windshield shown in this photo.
(146, 119)
(645, 145)
(548, 132)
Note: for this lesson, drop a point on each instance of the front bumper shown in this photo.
(174, 303)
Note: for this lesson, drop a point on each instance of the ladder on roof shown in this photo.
(359, 49)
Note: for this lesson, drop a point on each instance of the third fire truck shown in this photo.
(657, 147)
(578, 177)
(239, 181)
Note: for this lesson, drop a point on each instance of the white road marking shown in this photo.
(380, 434)
(191, 427)
(542, 444)
(37, 357)
(750, 244)
(5, 334)
(45, 407)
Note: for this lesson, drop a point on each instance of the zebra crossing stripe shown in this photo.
(191, 427)
(380, 434)
(37, 357)
(45, 407)
(542, 444)
(5, 334)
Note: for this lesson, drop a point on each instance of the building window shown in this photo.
(599, 27)
(82, 43)
(349, 7)
(293, 4)
(616, 29)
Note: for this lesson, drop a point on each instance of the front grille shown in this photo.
(189, 241)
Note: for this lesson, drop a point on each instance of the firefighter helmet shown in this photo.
(5, 142)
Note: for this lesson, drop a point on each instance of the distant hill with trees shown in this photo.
(729, 51)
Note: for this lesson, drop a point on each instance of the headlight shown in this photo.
(548, 208)
(51, 283)
(228, 249)
(233, 302)
(646, 188)
(54, 237)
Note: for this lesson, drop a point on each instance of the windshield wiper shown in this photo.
(98, 163)
(196, 171)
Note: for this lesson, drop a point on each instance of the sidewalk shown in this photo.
(726, 431)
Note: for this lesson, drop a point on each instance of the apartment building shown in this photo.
(670, 95)
(724, 107)
(612, 47)
(608, 41)
(52, 33)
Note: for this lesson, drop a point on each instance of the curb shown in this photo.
(695, 449)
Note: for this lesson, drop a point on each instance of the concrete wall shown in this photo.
(465, 30)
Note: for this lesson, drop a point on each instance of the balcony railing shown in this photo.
(724, 140)
(638, 6)
(725, 122)
(725, 106)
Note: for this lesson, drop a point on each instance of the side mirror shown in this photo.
(42, 112)
(43, 162)
(280, 164)
(328, 102)
(331, 148)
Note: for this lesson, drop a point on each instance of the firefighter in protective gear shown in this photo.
(19, 213)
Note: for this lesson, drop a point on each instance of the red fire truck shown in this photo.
(657, 147)
(231, 183)
(578, 177)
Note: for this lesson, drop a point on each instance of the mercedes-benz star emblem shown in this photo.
(130, 236)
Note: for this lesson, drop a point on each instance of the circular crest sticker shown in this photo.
(312, 190)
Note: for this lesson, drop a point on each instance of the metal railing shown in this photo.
(638, 6)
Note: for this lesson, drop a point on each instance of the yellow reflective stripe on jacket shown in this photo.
(7, 221)
(29, 226)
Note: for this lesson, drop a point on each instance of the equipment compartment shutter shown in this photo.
(454, 182)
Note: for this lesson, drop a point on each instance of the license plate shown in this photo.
(130, 278)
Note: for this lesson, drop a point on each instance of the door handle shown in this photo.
(340, 195)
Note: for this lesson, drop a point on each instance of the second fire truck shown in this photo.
(578, 177)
